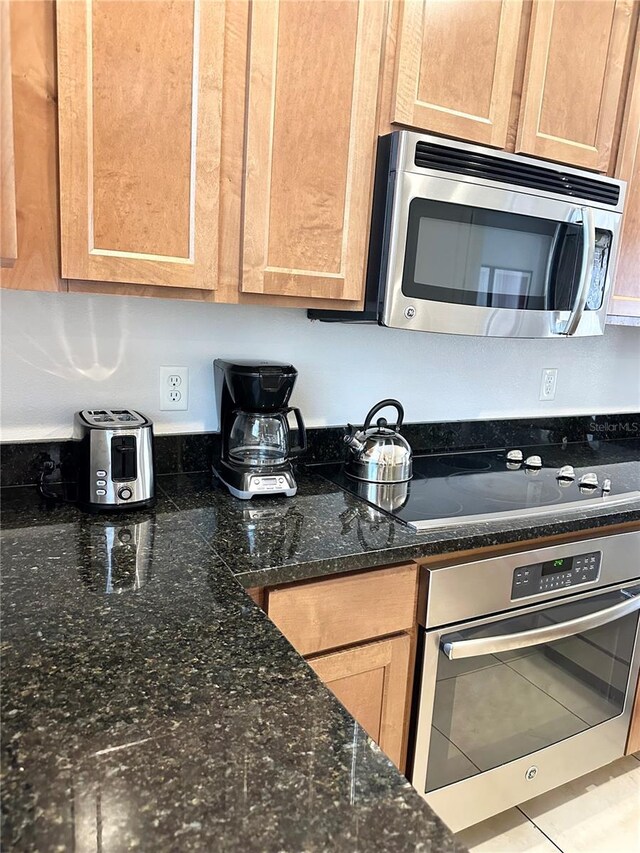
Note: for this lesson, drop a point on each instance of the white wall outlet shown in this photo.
(174, 389)
(548, 383)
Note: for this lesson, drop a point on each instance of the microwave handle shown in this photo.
(547, 634)
(585, 216)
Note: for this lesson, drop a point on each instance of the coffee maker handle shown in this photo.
(301, 444)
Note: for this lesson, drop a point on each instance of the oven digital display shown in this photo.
(554, 566)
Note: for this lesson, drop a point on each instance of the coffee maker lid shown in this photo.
(260, 368)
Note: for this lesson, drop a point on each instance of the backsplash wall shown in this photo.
(65, 352)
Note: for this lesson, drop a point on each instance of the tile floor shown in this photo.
(598, 813)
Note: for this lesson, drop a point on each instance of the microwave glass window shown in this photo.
(493, 709)
(494, 259)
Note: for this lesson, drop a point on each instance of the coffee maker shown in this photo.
(256, 444)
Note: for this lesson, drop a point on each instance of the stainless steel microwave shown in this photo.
(473, 241)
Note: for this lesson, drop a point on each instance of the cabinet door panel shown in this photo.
(574, 80)
(8, 219)
(310, 141)
(456, 62)
(633, 741)
(139, 112)
(373, 683)
(33, 51)
(625, 301)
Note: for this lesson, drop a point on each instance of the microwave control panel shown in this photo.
(555, 574)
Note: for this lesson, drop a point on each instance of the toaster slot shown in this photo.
(123, 458)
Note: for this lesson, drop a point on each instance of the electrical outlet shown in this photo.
(548, 383)
(174, 389)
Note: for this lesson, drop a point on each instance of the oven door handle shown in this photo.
(523, 639)
(585, 216)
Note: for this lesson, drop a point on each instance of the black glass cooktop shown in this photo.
(454, 488)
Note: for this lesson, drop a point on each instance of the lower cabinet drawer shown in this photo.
(373, 682)
(316, 616)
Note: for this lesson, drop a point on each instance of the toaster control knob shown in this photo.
(124, 493)
(606, 487)
(588, 482)
(533, 462)
(566, 475)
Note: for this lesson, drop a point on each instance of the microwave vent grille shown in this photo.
(445, 159)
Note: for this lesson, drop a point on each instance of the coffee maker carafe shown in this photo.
(256, 439)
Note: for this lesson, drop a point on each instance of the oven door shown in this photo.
(515, 705)
(468, 258)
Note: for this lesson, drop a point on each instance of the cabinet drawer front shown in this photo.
(340, 611)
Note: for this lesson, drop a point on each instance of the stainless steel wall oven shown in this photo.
(529, 668)
(474, 241)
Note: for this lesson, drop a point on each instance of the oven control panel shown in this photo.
(555, 574)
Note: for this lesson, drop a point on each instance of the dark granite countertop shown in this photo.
(175, 715)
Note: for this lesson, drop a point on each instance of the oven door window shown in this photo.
(495, 708)
(495, 259)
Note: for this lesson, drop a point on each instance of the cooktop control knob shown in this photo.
(606, 487)
(124, 493)
(588, 482)
(514, 460)
(533, 462)
(566, 475)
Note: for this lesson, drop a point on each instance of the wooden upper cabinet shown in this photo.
(313, 71)
(8, 216)
(140, 89)
(455, 67)
(29, 211)
(625, 301)
(574, 80)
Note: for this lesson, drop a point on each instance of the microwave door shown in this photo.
(468, 259)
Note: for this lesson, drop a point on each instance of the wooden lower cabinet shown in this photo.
(357, 632)
(633, 741)
(344, 610)
(373, 682)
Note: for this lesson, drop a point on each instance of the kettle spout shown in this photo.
(351, 440)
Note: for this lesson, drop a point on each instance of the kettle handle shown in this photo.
(382, 405)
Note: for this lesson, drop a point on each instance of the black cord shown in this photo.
(47, 470)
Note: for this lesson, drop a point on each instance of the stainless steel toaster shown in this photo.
(115, 459)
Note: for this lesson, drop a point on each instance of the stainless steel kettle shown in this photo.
(379, 454)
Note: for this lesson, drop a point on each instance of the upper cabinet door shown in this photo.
(455, 68)
(310, 143)
(574, 80)
(625, 301)
(8, 218)
(139, 114)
